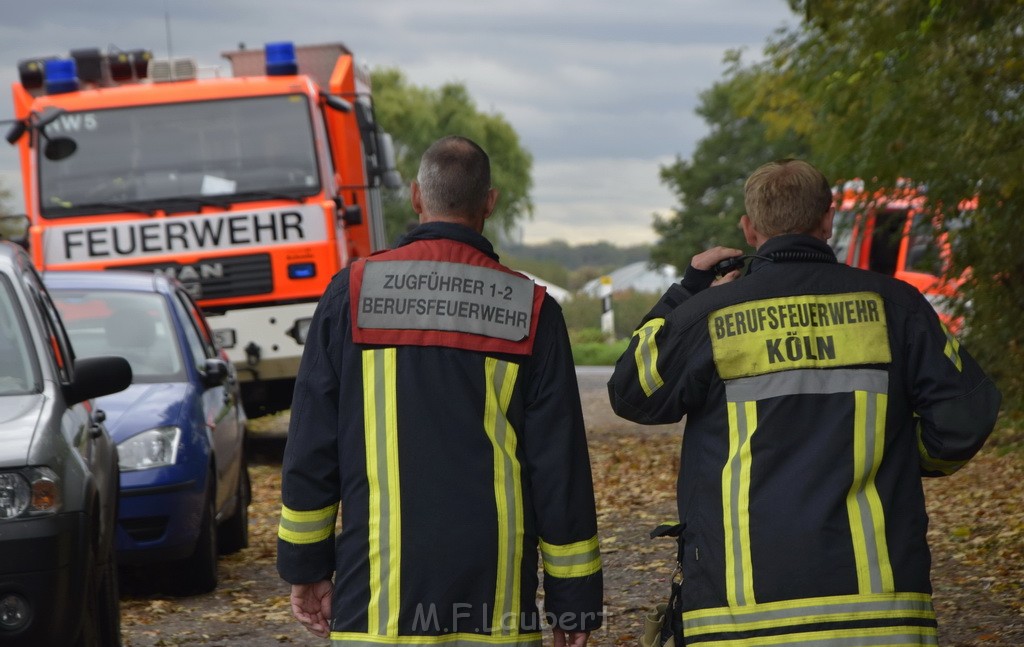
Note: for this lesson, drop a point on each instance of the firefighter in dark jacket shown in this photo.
(437, 406)
(816, 396)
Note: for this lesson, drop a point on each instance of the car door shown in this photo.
(220, 401)
(82, 422)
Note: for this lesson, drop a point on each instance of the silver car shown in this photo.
(58, 474)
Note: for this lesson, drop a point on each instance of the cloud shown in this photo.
(592, 199)
(599, 91)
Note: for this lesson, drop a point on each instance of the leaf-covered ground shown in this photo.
(977, 538)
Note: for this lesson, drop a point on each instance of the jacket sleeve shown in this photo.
(956, 404)
(558, 464)
(646, 385)
(310, 477)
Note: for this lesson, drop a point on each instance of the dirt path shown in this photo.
(977, 533)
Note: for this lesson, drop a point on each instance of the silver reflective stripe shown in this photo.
(501, 378)
(739, 572)
(906, 637)
(646, 355)
(435, 295)
(815, 610)
(381, 436)
(864, 505)
(806, 381)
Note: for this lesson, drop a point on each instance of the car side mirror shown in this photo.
(97, 376)
(215, 372)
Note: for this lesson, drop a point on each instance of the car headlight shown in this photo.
(31, 491)
(152, 448)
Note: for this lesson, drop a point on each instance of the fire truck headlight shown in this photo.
(225, 337)
(300, 330)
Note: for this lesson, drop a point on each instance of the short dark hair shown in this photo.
(787, 196)
(454, 177)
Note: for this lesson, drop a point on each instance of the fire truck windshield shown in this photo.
(143, 158)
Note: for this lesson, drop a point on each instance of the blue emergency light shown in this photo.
(281, 59)
(301, 270)
(61, 76)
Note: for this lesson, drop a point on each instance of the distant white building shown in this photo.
(557, 292)
(638, 277)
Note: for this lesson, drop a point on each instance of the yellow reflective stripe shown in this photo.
(902, 636)
(739, 573)
(646, 356)
(863, 504)
(932, 464)
(351, 639)
(952, 349)
(578, 559)
(381, 438)
(500, 379)
(790, 613)
(307, 526)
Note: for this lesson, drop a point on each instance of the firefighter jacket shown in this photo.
(816, 396)
(437, 406)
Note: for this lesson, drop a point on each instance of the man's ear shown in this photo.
(492, 201)
(749, 233)
(826, 223)
(415, 197)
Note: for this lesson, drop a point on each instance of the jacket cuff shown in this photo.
(696, 280)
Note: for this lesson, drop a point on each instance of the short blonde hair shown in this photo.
(787, 196)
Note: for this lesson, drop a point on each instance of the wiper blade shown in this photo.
(126, 207)
(243, 196)
(190, 199)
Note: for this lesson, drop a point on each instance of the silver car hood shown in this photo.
(19, 417)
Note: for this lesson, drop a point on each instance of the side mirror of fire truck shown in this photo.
(390, 176)
(18, 129)
(56, 148)
(336, 103)
(14, 228)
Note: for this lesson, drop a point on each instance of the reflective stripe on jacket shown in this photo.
(815, 396)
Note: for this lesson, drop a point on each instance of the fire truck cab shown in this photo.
(252, 189)
(894, 233)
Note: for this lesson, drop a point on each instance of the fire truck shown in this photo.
(895, 233)
(252, 189)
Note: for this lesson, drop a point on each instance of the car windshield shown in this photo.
(133, 325)
(163, 156)
(17, 369)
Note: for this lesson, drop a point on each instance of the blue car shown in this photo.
(179, 427)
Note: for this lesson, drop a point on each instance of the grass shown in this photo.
(598, 353)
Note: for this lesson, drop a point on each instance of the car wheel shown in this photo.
(233, 534)
(198, 572)
(101, 615)
(109, 601)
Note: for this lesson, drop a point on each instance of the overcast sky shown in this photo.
(601, 92)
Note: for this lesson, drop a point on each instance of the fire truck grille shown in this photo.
(218, 278)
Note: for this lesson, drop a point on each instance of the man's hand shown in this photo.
(311, 606)
(569, 638)
(700, 275)
(707, 259)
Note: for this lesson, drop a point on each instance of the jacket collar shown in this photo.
(793, 248)
(451, 231)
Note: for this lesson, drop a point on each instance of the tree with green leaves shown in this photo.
(710, 187)
(930, 91)
(417, 116)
